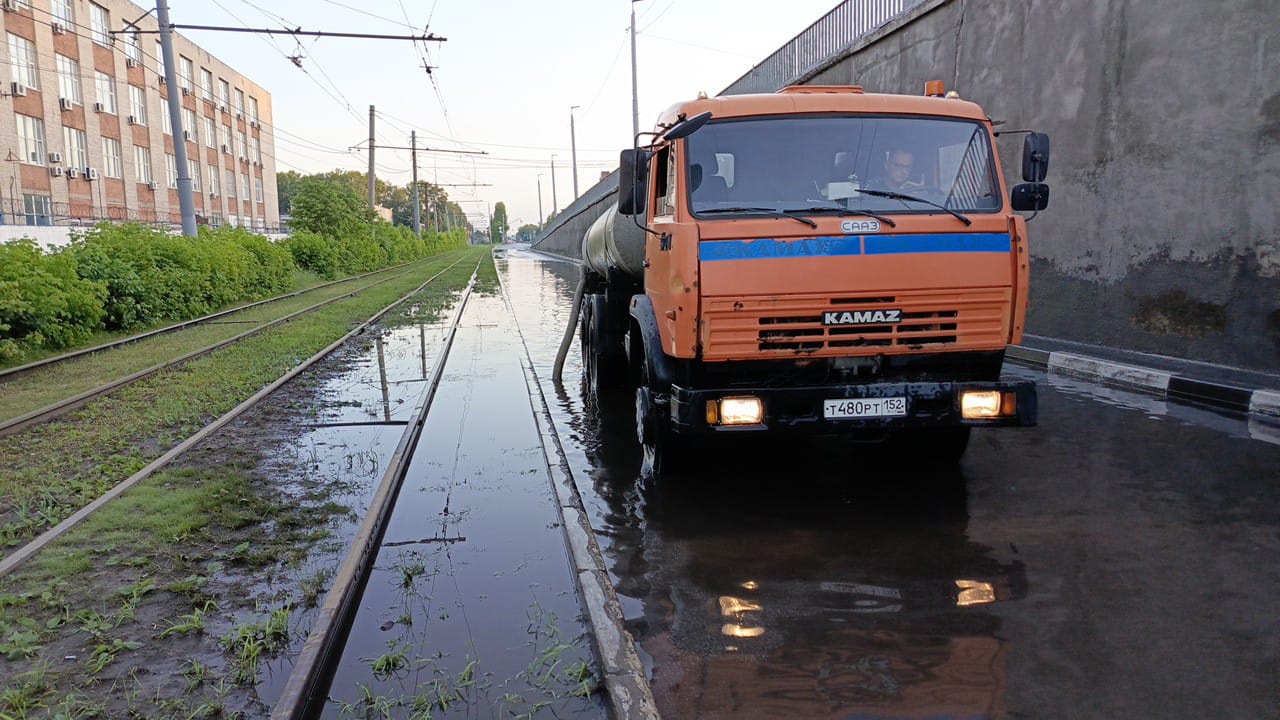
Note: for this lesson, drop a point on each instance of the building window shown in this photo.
(133, 48)
(210, 132)
(242, 145)
(22, 61)
(170, 170)
(246, 194)
(194, 169)
(224, 93)
(77, 147)
(206, 84)
(189, 124)
(186, 74)
(141, 164)
(159, 60)
(213, 180)
(138, 104)
(111, 165)
(31, 139)
(68, 79)
(166, 120)
(106, 89)
(257, 150)
(257, 189)
(231, 183)
(239, 102)
(253, 108)
(64, 13)
(226, 139)
(38, 209)
(99, 24)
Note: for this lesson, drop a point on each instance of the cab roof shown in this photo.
(823, 99)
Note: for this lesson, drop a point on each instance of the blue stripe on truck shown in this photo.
(828, 246)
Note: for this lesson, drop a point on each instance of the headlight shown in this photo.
(977, 404)
(741, 411)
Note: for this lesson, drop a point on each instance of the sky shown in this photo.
(502, 83)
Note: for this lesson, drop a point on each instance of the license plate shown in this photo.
(864, 407)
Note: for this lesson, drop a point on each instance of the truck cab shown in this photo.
(820, 260)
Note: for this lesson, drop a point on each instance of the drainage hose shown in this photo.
(557, 372)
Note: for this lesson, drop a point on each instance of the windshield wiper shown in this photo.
(766, 211)
(843, 211)
(912, 198)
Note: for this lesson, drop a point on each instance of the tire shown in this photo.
(662, 451)
(602, 371)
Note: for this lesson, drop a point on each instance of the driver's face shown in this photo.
(898, 167)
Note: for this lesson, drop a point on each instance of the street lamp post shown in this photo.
(554, 204)
(573, 148)
(539, 202)
(635, 95)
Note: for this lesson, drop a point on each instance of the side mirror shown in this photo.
(685, 128)
(633, 181)
(1035, 157)
(1029, 197)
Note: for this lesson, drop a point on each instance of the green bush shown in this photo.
(273, 270)
(43, 302)
(314, 252)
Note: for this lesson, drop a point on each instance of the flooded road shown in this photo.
(1116, 561)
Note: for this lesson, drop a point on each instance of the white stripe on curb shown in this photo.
(1265, 402)
(1109, 372)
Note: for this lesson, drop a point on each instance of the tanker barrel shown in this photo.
(614, 241)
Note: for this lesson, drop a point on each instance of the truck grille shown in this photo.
(931, 320)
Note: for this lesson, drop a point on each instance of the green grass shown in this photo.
(43, 387)
(85, 453)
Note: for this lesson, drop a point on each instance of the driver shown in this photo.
(897, 172)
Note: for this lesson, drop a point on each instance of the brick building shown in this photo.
(88, 136)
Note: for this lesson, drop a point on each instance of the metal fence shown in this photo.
(822, 41)
(84, 214)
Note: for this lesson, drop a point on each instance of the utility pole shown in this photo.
(373, 196)
(573, 148)
(635, 95)
(539, 202)
(413, 153)
(186, 202)
(554, 204)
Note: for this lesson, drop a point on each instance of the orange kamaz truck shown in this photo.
(820, 260)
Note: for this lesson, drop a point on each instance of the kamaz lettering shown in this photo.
(861, 317)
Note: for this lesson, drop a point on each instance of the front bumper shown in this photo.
(800, 409)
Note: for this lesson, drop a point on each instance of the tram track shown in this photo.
(36, 416)
(23, 553)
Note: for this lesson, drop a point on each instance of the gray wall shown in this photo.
(1163, 230)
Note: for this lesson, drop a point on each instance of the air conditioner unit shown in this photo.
(186, 135)
(152, 185)
(99, 107)
(91, 173)
(222, 108)
(130, 63)
(55, 158)
(213, 194)
(226, 149)
(55, 171)
(64, 103)
(186, 91)
(11, 5)
(18, 89)
(162, 79)
(239, 115)
(244, 159)
(57, 28)
(73, 173)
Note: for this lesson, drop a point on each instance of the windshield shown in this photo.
(810, 164)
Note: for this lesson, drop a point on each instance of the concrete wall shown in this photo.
(1163, 229)
(563, 235)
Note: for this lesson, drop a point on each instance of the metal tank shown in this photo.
(614, 242)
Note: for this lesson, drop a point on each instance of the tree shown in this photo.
(528, 232)
(329, 208)
(286, 188)
(498, 224)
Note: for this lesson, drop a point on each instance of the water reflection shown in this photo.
(805, 578)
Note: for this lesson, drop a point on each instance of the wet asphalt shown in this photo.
(1118, 560)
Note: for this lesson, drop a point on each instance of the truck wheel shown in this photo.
(603, 371)
(661, 449)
